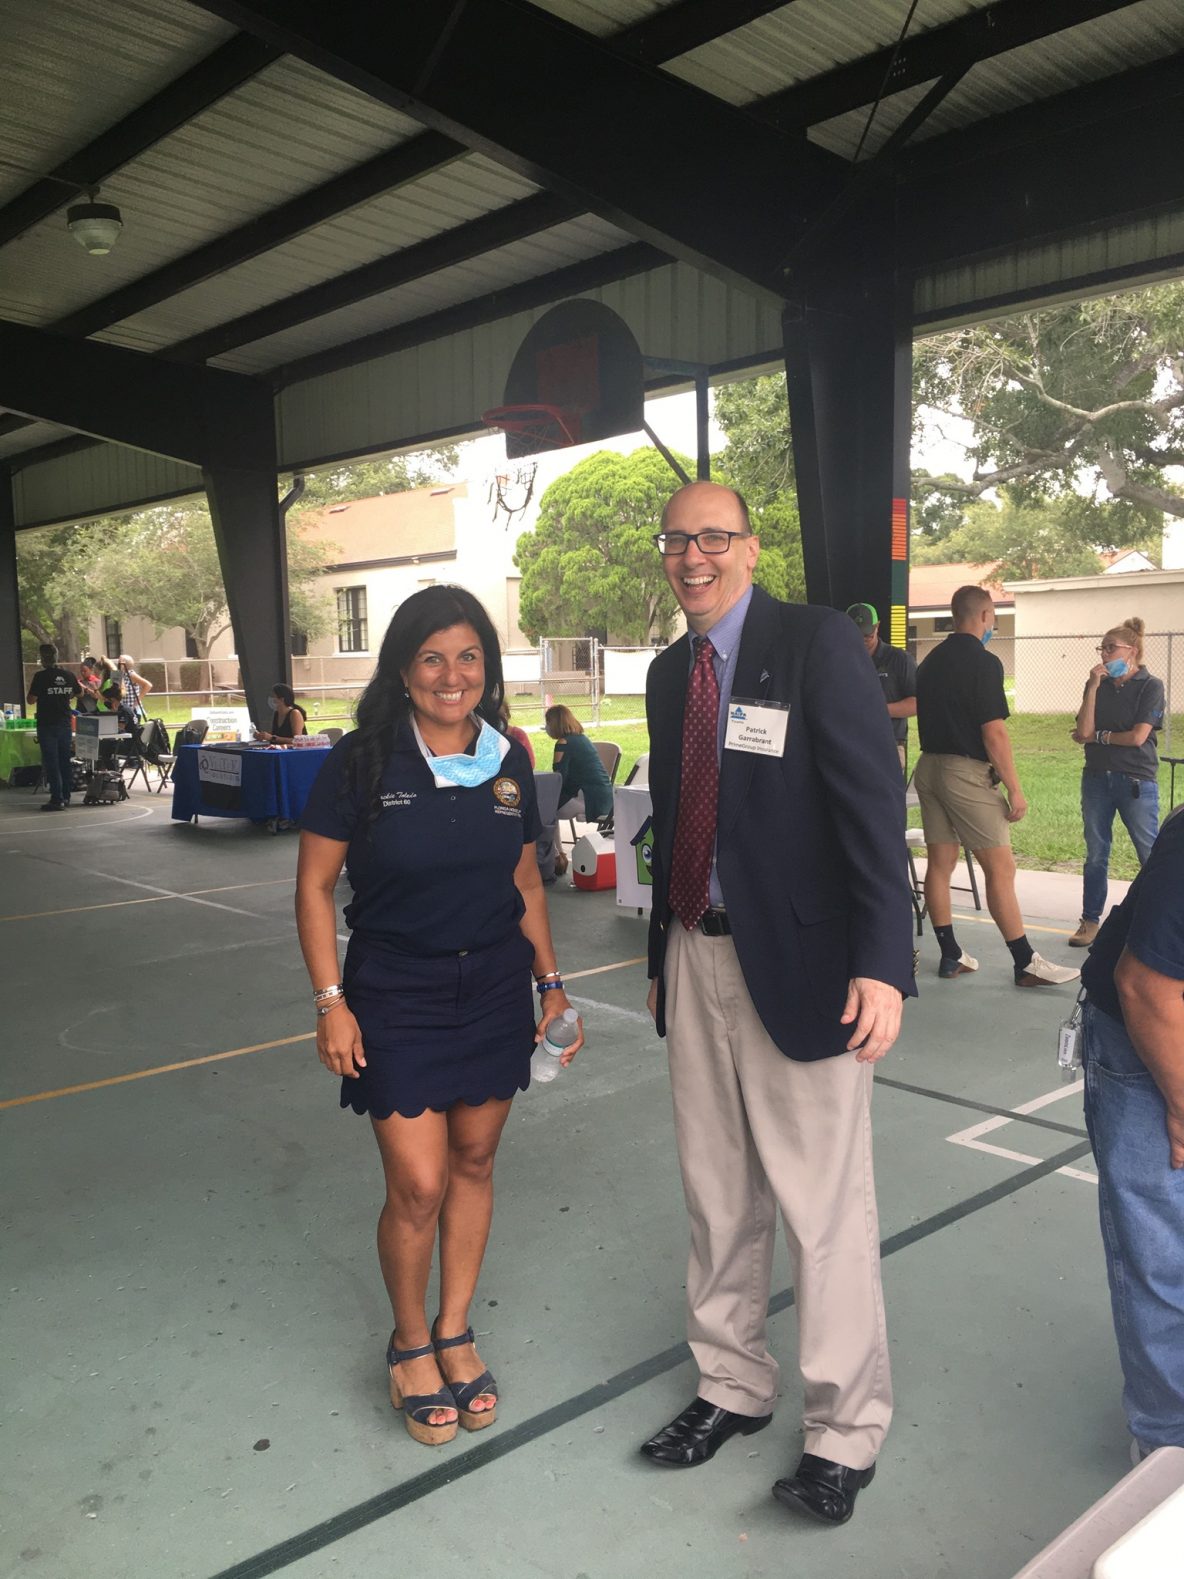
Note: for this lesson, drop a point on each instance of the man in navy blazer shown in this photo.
(778, 984)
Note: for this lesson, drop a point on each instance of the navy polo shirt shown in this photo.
(1149, 922)
(433, 873)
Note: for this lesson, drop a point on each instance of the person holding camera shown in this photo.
(1121, 709)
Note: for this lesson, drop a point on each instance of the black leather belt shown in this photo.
(715, 924)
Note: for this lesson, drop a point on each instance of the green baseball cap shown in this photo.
(865, 617)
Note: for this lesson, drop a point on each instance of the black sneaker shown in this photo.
(54, 805)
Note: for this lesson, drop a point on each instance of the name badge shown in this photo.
(760, 727)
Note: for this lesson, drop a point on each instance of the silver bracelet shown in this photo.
(327, 1008)
(319, 994)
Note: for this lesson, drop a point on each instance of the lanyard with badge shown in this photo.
(758, 727)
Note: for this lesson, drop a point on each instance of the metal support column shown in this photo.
(252, 549)
(848, 361)
(12, 675)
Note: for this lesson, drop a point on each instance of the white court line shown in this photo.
(132, 814)
(169, 893)
(971, 1138)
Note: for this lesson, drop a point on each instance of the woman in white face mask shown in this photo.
(287, 717)
(1120, 712)
(431, 1025)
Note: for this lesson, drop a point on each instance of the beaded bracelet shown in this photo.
(548, 986)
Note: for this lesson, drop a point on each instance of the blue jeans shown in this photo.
(1141, 1200)
(57, 747)
(1103, 794)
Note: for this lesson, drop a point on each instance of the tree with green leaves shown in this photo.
(1090, 393)
(55, 600)
(162, 565)
(1024, 542)
(758, 463)
(589, 567)
(374, 479)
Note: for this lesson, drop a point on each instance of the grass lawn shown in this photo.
(1048, 839)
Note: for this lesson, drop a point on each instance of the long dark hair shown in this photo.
(384, 704)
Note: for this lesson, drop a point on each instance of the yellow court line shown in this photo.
(986, 921)
(153, 899)
(235, 1052)
(161, 1069)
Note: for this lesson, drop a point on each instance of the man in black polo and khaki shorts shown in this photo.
(965, 756)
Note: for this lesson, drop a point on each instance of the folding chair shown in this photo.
(610, 755)
(333, 735)
(547, 786)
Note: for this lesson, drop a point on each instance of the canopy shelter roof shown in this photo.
(363, 208)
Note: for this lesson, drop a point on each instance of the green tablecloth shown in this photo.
(18, 749)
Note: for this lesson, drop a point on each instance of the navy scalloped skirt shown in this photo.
(439, 1031)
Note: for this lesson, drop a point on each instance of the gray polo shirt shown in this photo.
(1138, 700)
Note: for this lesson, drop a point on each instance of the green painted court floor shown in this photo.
(193, 1321)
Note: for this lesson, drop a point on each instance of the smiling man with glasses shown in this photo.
(780, 951)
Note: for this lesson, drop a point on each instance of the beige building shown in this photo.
(1058, 625)
(382, 550)
(930, 589)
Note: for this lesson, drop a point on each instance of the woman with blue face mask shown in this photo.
(431, 809)
(1120, 712)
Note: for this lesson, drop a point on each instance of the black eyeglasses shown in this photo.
(713, 541)
(1114, 646)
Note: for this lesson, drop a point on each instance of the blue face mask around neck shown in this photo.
(462, 769)
(986, 636)
(1116, 668)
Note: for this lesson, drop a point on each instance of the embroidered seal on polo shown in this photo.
(507, 792)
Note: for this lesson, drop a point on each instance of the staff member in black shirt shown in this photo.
(51, 692)
(965, 753)
(288, 718)
(431, 1026)
(1121, 710)
(897, 672)
(1133, 1032)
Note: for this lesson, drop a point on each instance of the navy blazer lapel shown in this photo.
(754, 674)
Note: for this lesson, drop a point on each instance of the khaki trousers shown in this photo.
(758, 1132)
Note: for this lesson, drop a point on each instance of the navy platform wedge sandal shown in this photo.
(465, 1393)
(418, 1408)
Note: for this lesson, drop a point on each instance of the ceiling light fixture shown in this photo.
(95, 226)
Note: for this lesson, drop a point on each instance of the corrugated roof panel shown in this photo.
(462, 190)
(96, 482)
(1069, 59)
(287, 130)
(675, 312)
(800, 41)
(603, 17)
(74, 67)
(942, 299)
(552, 249)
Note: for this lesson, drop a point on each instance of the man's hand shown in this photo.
(1017, 808)
(876, 1008)
(651, 1000)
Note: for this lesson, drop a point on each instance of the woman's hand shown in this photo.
(339, 1042)
(554, 1002)
(1096, 675)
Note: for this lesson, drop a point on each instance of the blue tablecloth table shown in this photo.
(274, 784)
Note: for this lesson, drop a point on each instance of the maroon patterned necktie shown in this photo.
(694, 836)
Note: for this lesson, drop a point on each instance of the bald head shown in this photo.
(708, 581)
(706, 490)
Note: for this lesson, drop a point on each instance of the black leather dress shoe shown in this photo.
(696, 1434)
(823, 1489)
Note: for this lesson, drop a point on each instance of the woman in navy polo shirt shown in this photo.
(432, 811)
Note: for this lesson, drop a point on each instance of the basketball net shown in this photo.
(511, 491)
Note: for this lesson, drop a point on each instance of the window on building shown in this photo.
(190, 646)
(352, 633)
(943, 623)
(300, 644)
(112, 636)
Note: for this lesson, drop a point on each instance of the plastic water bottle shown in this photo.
(561, 1033)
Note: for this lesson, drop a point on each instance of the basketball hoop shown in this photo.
(530, 429)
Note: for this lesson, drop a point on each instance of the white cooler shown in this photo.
(1136, 1531)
